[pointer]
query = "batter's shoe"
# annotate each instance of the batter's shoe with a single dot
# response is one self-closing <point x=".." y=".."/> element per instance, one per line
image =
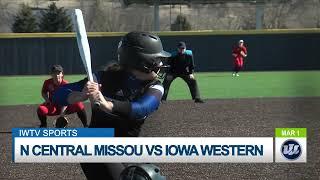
<point x="198" y="100"/>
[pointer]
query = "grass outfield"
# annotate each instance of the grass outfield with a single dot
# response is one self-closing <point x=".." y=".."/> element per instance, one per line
<point x="26" y="89"/>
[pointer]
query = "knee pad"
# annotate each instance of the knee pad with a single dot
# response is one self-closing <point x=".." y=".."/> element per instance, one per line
<point x="42" y="110"/>
<point x="75" y="108"/>
<point x="79" y="106"/>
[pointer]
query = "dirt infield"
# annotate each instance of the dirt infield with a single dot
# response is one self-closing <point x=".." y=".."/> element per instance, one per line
<point x="215" y="118"/>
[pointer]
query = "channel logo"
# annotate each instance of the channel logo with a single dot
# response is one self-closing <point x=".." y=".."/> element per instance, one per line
<point x="291" y="145"/>
<point x="291" y="149"/>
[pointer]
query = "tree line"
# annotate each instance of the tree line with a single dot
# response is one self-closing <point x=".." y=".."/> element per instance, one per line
<point x="51" y="19"/>
<point x="54" y="19"/>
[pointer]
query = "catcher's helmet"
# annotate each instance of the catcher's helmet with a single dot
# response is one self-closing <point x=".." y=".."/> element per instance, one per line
<point x="142" y="51"/>
<point x="142" y="172"/>
<point x="61" y="122"/>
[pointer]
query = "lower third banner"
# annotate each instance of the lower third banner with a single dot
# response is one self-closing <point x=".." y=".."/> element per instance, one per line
<point x="99" y="145"/>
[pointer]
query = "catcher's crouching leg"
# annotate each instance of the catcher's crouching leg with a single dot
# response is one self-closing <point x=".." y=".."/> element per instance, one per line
<point x="80" y="110"/>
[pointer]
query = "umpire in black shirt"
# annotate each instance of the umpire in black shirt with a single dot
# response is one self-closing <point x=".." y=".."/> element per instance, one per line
<point x="182" y="65"/>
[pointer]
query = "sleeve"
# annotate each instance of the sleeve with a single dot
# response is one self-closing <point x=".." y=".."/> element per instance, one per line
<point x="44" y="87"/>
<point x="234" y="50"/>
<point x="143" y="106"/>
<point x="60" y="96"/>
<point x="191" y="60"/>
<point x="172" y="58"/>
<point x="191" y="66"/>
<point x="244" y="49"/>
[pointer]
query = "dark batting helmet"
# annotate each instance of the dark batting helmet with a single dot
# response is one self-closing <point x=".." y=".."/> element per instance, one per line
<point x="142" y="172"/>
<point x="142" y="51"/>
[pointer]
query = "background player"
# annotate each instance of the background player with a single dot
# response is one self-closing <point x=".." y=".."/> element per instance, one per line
<point x="128" y="92"/>
<point x="48" y="108"/>
<point x="182" y="65"/>
<point x="239" y="53"/>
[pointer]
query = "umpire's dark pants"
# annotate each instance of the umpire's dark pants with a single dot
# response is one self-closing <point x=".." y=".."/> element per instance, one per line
<point x="192" y="84"/>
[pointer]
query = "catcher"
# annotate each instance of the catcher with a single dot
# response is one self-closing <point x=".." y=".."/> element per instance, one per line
<point x="48" y="108"/>
<point x="127" y="91"/>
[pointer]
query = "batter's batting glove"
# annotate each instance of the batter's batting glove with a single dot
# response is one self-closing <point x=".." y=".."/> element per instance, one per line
<point x="61" y="122"/>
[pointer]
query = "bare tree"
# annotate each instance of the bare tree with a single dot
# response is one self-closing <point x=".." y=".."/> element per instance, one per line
<point x="146" y="23"/>
<point x="111" y="17"/>
<point x="317" y="15"/>
<point x="104" y="17"/>
<point x="6" y="16"/>
<point x="137" y="17"/>
<point x="275" y="11"/>
<point x="36" y="3"/>
<point x="223" y="16"/>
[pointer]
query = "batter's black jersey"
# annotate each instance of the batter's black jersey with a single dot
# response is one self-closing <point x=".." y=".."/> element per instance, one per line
<point x="133" y="101"/>
<point x="181" y="63"/>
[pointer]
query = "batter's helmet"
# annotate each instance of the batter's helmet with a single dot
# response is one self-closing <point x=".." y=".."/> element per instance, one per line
<point x="61" y="122"/>
<point x="142" y="51"/>
<point x="142" y="172"/>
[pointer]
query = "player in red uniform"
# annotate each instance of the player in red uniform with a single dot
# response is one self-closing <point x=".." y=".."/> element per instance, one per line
<point x="48" y="108"/>
<point x="238" y="53"/>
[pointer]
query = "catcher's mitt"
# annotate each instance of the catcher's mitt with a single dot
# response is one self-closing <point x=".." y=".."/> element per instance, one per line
<point x="61" y="122"/>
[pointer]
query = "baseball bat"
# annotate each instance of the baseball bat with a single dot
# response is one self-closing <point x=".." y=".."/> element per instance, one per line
<point x="83" y="44"/>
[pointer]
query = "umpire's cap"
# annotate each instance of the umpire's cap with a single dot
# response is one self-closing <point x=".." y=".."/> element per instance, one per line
<point x="141" y="50"/>
<point x="182" y="44"/>
<point x="56" y="68"/>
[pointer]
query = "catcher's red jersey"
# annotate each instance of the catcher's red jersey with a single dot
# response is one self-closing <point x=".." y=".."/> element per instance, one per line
<point x="49" y="87"/>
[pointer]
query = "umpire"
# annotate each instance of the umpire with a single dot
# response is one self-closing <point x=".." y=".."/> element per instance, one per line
<point x="182" y="65"/>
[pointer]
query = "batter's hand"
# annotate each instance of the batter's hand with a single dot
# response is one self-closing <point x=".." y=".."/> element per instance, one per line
<point x="96" y="96"/>
<point x="191" y="76"/>
<point x="91" y="87"/>
<point x="104" y="105"/>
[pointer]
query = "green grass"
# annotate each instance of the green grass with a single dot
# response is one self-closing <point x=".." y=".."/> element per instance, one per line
<point x="26" y="89"/>
<point x="252" y="84"/>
